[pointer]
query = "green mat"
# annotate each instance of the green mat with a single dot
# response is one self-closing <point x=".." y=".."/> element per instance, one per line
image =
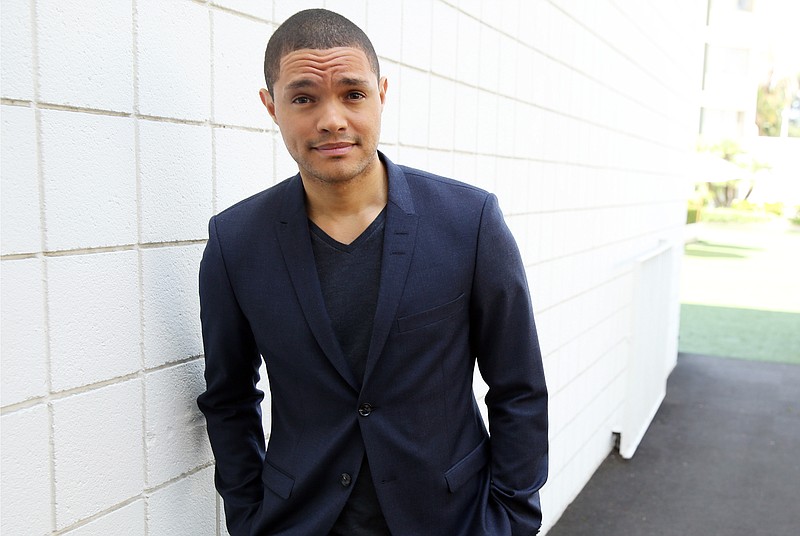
<point x="740" y="333"/>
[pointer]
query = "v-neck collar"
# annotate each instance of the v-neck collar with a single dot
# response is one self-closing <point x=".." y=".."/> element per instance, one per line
<point x="372" y="228"/>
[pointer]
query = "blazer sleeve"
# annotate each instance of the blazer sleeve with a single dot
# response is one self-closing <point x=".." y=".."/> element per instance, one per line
<point x="231" y="402"/>
<point x="506" y="345"/>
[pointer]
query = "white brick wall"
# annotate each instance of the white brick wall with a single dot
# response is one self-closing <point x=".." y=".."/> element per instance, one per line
<point x="94" y="318"/>
<point x="125" y="125"/>
<point x="25" y="457"/>
<point x="186" y="506"/>
<point x="174" y="180"/>
<point x="170" y="310"/>
<point x="16" y="35"/>
<point x="243" y="163"/>
<point x="239" y="45"/>
<point x="85" y="53"/>
<point x="174" y="59"/>
<point x="98" y="451"/>
<point x="89" y="179"/>
<point x="21" y="219"/>
<point x="24" y="363"/>
<point x="173" y="419"/>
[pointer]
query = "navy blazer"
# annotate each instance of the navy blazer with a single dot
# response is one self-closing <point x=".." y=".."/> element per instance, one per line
<point x="452" y="291"/>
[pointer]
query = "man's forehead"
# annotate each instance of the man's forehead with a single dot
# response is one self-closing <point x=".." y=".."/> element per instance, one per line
<point x="310" y="61"/>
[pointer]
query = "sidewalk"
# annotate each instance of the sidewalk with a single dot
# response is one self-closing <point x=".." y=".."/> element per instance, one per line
<point x="721" y="458"/>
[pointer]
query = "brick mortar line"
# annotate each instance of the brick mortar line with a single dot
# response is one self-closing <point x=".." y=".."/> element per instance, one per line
<point x="16" y="102"/>
<point x="51" y="464"/>
<point x="139" y="263"/>
<point x="133" y="115"/>
<point x="103" y="249"/>
<point x="20" y="256"/>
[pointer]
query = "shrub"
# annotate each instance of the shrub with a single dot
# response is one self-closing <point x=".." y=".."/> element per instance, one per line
<point x="744" y="205"/>
<point x="694" y="212"/>
<point x="730" y="215"/>
<point x="796" y="219"/>
<point x="774" y="208"/>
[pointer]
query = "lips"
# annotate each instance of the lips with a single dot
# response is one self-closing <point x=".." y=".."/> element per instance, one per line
<point x="334" y="149"/>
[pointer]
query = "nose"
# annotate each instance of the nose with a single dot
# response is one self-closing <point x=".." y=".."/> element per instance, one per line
<point x="332" y="117"/>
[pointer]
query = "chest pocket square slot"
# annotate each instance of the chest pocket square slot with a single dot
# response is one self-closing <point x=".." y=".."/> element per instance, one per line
<point x="431" y="316"/>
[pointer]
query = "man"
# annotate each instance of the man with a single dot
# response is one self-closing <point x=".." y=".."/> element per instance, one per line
<point x="369" y="290"/>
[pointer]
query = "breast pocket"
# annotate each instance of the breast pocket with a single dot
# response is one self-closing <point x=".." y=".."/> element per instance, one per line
<point x="432" y="315"/>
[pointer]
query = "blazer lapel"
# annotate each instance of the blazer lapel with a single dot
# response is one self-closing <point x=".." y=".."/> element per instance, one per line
<point x="295" y="243"/>
<point x="398" y="246"/>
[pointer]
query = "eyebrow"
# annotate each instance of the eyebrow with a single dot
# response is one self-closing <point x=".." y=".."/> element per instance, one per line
<point x="357" y="82"/>
<point x="304" y="83"/>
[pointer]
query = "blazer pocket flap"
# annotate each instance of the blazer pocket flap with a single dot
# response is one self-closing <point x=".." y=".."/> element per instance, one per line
<point x="429" y="316"/>
<point x="467" y="466"/>
<point x="277" y="480"/>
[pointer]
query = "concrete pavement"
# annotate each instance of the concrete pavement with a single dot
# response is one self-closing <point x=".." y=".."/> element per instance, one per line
<point x="721" y="458"/>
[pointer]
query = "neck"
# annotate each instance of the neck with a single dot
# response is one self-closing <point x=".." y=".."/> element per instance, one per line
<point x="344" y="209"/>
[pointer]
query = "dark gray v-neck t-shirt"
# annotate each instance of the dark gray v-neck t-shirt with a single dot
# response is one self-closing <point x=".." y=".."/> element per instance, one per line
<point x="349" y="275"/>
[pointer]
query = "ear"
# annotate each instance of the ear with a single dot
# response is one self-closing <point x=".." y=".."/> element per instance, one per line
<point x="383" y="85"/>
<point x="266" y="100"/>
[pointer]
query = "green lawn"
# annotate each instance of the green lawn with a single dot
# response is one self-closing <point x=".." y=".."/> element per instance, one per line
<point x="740" y="293"/>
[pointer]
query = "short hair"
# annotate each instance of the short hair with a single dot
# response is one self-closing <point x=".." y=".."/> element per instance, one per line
<point x="317" y="29"/>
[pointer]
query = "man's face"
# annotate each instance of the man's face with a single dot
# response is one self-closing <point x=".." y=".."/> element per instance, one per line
<point x="328" y="105"/>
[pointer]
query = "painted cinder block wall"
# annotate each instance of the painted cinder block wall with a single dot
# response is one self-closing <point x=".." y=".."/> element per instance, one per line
<point x="126" y="124"/>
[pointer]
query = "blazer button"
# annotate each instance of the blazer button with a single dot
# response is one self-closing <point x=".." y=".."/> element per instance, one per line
<point x="364" y="409"/>
<point x="345" y="480"/>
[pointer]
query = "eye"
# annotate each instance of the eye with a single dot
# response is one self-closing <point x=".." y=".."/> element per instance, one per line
<point x="302" y="99"/>
<point x="355" y="96"/>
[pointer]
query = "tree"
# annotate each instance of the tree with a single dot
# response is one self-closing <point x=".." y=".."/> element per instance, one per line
<point x="775" y="96"/>
<point x="723" y="191"/>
